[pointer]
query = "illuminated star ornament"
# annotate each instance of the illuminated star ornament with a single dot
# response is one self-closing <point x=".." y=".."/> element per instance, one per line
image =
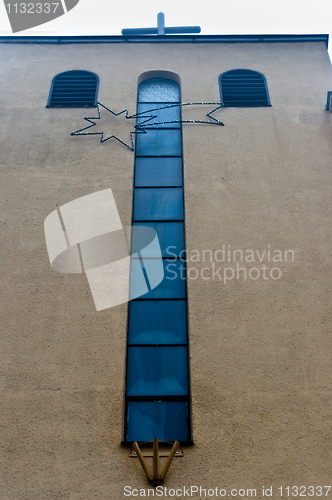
<point x="110" y="120"/>
<point x="192" y="113"/>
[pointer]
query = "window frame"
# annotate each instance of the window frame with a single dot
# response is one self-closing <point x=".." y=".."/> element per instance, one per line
<point x="184" y="400"/>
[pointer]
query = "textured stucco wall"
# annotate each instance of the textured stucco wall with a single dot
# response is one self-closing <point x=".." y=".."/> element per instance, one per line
<point x="260" y="349"/>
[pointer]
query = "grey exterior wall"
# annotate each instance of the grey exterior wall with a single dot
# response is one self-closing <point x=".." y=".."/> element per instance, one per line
<point x="260" y="349"/>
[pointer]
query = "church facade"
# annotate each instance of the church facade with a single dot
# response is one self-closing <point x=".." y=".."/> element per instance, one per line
<point x="219" y="148"/>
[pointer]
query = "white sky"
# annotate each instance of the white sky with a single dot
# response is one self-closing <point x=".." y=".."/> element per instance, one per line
<point x="106" y="17"/>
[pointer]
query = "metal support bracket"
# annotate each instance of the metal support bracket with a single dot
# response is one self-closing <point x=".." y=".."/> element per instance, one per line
<point x="156" y="477"/>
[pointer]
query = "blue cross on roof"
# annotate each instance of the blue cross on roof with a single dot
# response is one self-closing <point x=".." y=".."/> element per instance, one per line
<point x="161" y="29"/>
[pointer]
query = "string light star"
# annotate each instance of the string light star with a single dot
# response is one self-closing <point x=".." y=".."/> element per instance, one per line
<point x="103" y="137"/>
<point x="151" y="118"/>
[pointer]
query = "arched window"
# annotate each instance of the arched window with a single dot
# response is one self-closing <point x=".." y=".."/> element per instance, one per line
<point x="74" y="89"/>
<point x="243" y="88"/>
<point x="157" y="382"/>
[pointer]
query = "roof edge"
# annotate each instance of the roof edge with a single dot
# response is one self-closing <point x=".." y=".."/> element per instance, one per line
<point x="166" y="39"/>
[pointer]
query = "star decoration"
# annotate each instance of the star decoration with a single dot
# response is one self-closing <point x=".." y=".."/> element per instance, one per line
<point x="149" y="118"/>
<point x="103" y="136"/>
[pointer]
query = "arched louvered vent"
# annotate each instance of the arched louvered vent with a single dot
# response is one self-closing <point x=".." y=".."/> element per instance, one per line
<point x="74" y="89"/>
<point x="244" y="88"/>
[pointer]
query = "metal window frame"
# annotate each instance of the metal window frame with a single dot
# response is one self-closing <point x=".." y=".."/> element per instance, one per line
<point x="185" y="398"/>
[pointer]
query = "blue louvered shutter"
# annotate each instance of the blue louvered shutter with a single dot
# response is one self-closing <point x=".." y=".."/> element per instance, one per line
<point x="77" y="89"/>
<point x="243" y="88"/>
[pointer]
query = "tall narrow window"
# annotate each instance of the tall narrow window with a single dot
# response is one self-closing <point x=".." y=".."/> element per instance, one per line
<point x="74" y="89"/>
<point x="243" y="88"/>
<point x="157" y="382"/>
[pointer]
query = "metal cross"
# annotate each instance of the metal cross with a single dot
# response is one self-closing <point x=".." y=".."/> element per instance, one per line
<point x="161" y="30"/>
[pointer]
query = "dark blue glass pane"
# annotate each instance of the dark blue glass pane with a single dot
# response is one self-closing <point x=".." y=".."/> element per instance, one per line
<point x="157" y="371"/>
<point x="166" y="420"/>
<point x="157" y="322"/>
<point x="158" y="204"/>
<point x="170" y="236"/>
<point x="158" y="171"/>
<point x="145" y="241"/>
<point x="159" y="115"/>
<point x="163" y="142"/>
<point x="173" y="286"/>
<point x="159" y="90"/>
<point x="145" y="274"/>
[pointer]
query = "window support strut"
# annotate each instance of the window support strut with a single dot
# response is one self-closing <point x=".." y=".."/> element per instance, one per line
<point x="156" y="478"/>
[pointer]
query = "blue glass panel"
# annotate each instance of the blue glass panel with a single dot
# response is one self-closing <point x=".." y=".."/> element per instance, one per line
<point x="158" y="171"/>
<point x="159" y="90"/>
<point x="163" y="142"/>
<point x="173" y="286"/>
<point x="157" y="322"/>
<point x="166" y="420"/>
<point x="158" y="204"/>
<point x="160" y="115"/>
<point x="158" y="371"/>
<point x="145" y="241"/>
<point x="170" y="236"/>
<point x="138" y="285"/>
